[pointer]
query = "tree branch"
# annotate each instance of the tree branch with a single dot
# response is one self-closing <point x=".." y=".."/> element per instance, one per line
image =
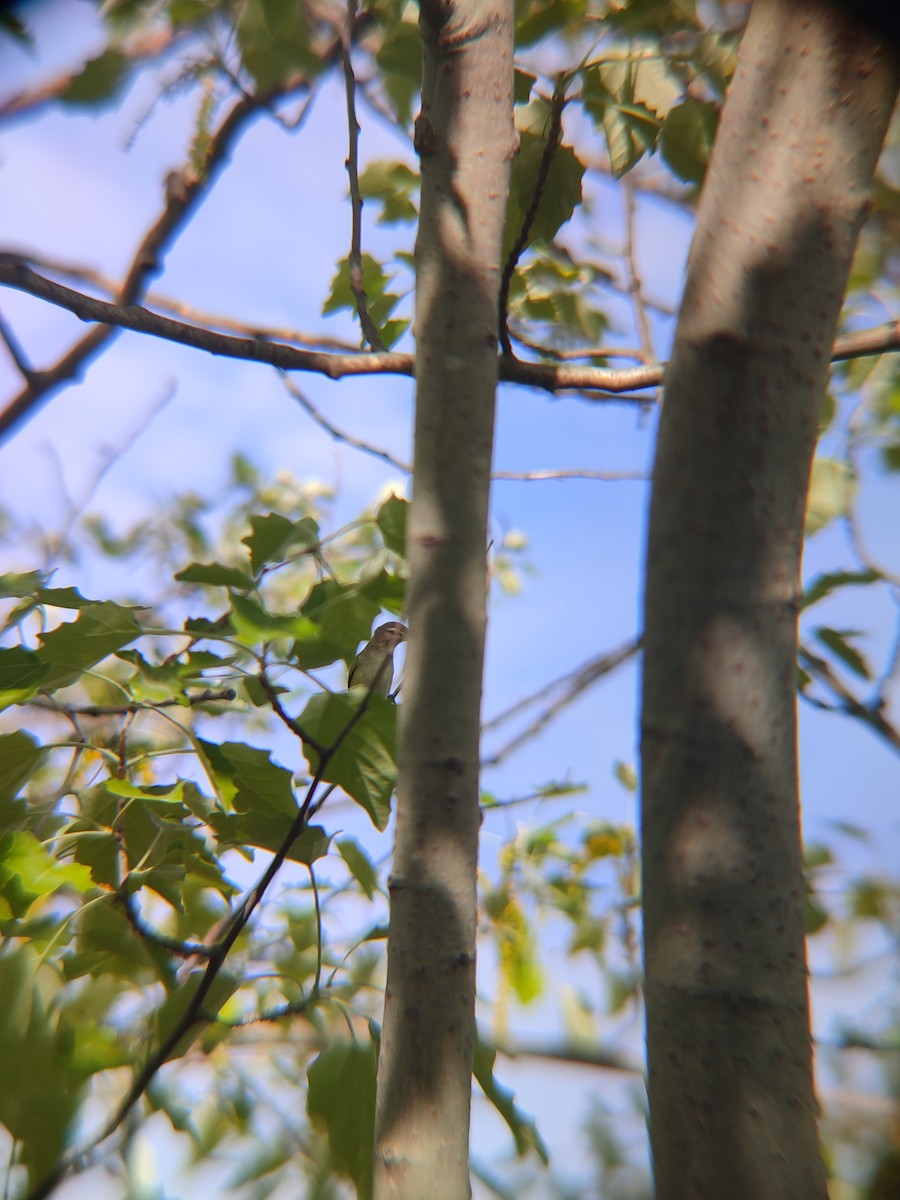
<point x="194" y="1012"/>
<point x="16" y="353"/>
<point x="170" y="307"/>
<point x="184" y="191"/>
<point x="354" y="261"/>
<point x="338" y="434"/>
<point x="572" y="684"/>
<point x="152" y="45"/>
<point x="845" y="701"/>
<point x="554" y="133"/>
<point x="549" y="377"/>
<point x="123" y="710"/>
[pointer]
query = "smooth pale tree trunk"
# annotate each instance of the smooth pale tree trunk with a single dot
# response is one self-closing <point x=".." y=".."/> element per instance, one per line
<point x="466" y="140"/>
<point x="732" y="1108"/>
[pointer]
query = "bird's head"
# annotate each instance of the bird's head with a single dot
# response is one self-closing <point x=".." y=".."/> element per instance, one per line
<point x="389" y="635"/>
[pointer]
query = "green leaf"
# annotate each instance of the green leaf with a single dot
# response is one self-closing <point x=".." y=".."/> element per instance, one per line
<point x="274" y="537"/>
<point x="646" y="18"/>
<point x="364" y="764"/>
<point x="21" y="674"/>
<point x="216" y="575"/>
<point x="630" y="100"/>
<point x="28" y="872"/>
<point x="172" y="1009"/>
<point x="538" y="19"/>
<point x="393" y="185"/>
<point x="39" y="1110"/>
<point x="399" y="61"/>
<point x="253" y="624"/>
<point x="248" y="779"/>
<point x="815" y="917"/>
<point x="68" y="597"/>
<point x="871" y="899"/>
<point x="838" y="642"/>
<point x="522" y="1127"/>
<point x="562" y="188"/>
<point x="831" y="488"/>
<point x="715" y="56"/>
<point x="391" y="520"/>
<point x="15" y="585"/>
<point x="360" y="865"/>
<point x="106" y="945"/>
<point x="381" y="303"/>
<point x="19" y="755"/>
<point x="148" y="824"/>
<point x="824" y="585"/>
<point x="99" y="81"/>
<point x="71" y="649"/>
<point x="341" y="1098"/>
<point x="344" y="613"/>
<point x="687" y="138"/>
<point x="523" y="84"/>
<point x="273" y="39"/>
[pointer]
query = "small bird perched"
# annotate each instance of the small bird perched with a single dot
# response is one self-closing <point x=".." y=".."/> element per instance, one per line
<point x="373" y="667"/>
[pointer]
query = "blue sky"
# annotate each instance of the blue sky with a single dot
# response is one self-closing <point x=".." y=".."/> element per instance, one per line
<point x="263" y="247"/>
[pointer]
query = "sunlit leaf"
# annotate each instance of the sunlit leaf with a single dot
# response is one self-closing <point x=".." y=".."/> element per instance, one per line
<point x="522" y="1127"/>
<point x="341" y="1099"/>
<point x="70" y="649"/>
<point x="364" y="764"/>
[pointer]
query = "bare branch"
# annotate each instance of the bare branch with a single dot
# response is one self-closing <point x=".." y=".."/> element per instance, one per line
<point x="550" y="377"/>
<point x="151" y="45"/>
<point x="357" y="282"/>
<point x="338" y="434"/>
<point x="557" y="355"/>
<point x="284" y="716"/>
<point x="167" y="305"/>
<point x="570" y="1052"/>
<point x="149" y="934"/>
<point x="572" y="684"/>
<point x="15" y="351"/>
<point x="867" y="341"/>
<point x="574" y="473"/>
<point x="844" y="699"/>
<point x="209" y="696"/>
<point x="184" y="190"/>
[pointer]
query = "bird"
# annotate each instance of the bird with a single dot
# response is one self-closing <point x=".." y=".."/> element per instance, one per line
<point x="373" y="667"/>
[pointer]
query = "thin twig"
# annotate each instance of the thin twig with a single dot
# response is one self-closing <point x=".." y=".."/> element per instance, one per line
<point x="167" y="305"/>
<point x="573" y="684"/>
<point x="194" y="1012"/>
<point x="149" y="934"/>
<point x="152" y="45"/>
<point x="846" y="702"/>
<point x="354" y="260"/>
<point x="283" y="715"/>
<point x="124" y="710"/>
<point x="610" y="385"/>
<point x="56" y="542"/>
<point x="16" y="353"/>
<point x="574" y="473"/>
<point x="338" y="434"/>
<point x="554" y="134"/>
<point x="633" y="279"/>
<point x="632" y="353"/>
<point x="184" y="190"/>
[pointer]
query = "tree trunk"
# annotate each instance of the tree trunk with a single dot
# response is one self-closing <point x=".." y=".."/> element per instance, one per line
<point x="465" y="138"/>
<point x="732" y="1108"/>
